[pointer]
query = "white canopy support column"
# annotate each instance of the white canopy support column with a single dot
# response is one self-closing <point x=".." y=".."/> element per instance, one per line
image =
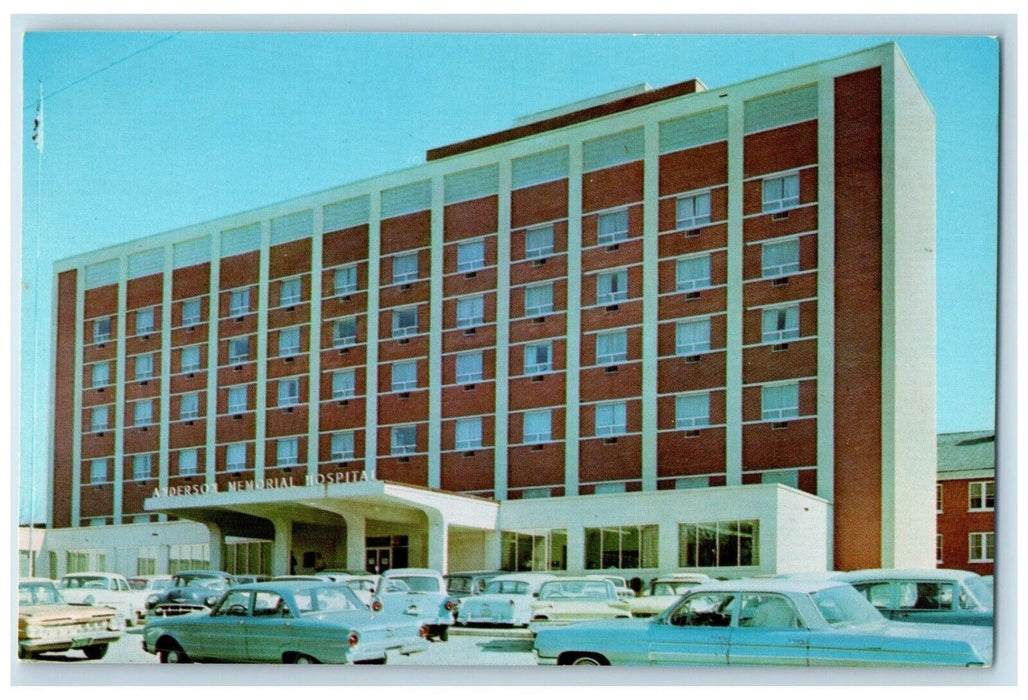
<point x="217" y="546"/>
<point x="282" y="551"/>
<point x="493" y="550"/>
<point x="438" y="541"/>
<point x="356" y="530"/>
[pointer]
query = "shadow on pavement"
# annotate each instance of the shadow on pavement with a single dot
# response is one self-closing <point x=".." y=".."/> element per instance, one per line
<point x="506" y="645"/>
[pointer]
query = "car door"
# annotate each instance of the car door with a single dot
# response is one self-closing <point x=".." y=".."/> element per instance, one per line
<point x="223" y="636"/>
<point x="924" y="601"/>
<point x="269" y="628"/>
<point x="696" y="632"/>
<point x="768" y="632"/>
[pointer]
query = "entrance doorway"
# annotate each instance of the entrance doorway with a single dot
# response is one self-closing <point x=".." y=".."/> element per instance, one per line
<point x="383" y="553"/>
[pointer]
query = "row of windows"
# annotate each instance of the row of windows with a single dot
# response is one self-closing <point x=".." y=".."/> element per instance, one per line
<point x="981" y="547"/>
<point x="981" y="496"/>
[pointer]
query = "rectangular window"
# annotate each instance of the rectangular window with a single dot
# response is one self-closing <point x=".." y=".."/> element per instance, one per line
<point x="625" y="547"/>
<point x="342" y="446"/>
<point x="344" y="332"/>
<point x="239" y="302"/>
<point x="692" y="273"/>
<point x="290" y="291"/>
<point x="780" y="401"/>
<point x="538" y="426"/>
<point x="142" y="412"/>
<point x="187" y="462"/>
<point x="344" y="384"/>
<point x="537" y="550"/>
<point x="692" y="411"/>
<point x="144" y="366"/>
<point x="287" y="452"/>
<point x="141" y="467"/>
<point x="191" y="312"/>
<point x="938" y="498"/>
<point x="468" y="433"/>
<point x="781" y="192"/>
<point x="938" y="548"/>
<point x="780" y="258"/>
<point x="101" y="374"/>
<point x="612" y="227"/>
<point x="611" y="418"/>
<point x="539" y="357"/>
<point x="235" y="457"/>
<point x="405" y="268"/>
<point x="470" y="311"/>
<point x="611" y="286"/>
<point x="404" y="440"/>
<point x="692" y="337"/>
<point x="539" y="299"/>
<point x="781" y="324"/>
<point x="981" y="495"/>
<point x="190" y="406"/>
<point x="345" y="280"/>
<point x="539" y="242"/>
<point x="470" y="256"/>
<point x="405" y="375"/>
<point x="98" y="419"/>
<point x="190" y="358"/>
<point x="611" y="347"/>
<point x="288" y="392"/>
<point x="692" y="211"/>
<point x="288" y="342"/>
<point x="405" y="322"/>
<point x="101" y="330"/>
<point x="236" y="399"/>
<point x="469" y="367"/>
<point x="144" y="321"/>
<point x="719" y="544"/>
<point x="238" y="350"/>
<point x="98" y="471"/>
<point x="981" y="547"/>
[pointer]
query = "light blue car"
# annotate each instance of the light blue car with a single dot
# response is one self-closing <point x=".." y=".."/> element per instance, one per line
<point x="947" y="596"/>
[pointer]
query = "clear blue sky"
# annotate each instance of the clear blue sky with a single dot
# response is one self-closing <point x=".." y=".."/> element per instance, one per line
<point x="147" y="132"/>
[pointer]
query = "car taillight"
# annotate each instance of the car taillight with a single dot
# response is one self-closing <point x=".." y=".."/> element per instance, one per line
<point x="377" y="606"/>
<point x="423" y="632"/>
<point x="450" y="605"/>
<point x="353" y="639"/>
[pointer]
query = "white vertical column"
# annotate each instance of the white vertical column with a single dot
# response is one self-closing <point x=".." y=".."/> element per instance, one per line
<point x="572" y="428"/>
<point x="76" y="424"/>
<point x="733" y="344"/>
<point x="651" y="291"/>
<point x="371" y="346"/>
<point x="164" y="439"/>
<point x="435" y="338"/>
<point x="502" y="371"/>
<point x="213" y="326"/>
<point x="314" y="344"/>
<point x="261" y="402"/>
<point x="119" y="394"/>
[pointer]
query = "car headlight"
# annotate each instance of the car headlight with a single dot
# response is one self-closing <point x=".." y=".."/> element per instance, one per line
<point x="210" y="601"/>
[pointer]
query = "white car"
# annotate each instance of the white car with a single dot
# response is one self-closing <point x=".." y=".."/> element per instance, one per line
<point x="420" y="593"/>
<point x="101" y="588"/>
<point x="143" y="587"/>
<point x="664" y="592"/>
<point x="506" y="600"/>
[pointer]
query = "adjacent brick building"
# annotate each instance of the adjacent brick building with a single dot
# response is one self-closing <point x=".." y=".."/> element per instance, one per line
<point x="965" y="502"/>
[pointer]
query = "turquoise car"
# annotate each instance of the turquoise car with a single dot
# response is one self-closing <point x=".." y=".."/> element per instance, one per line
<point x="765" y="622"/>
<point x="300" y="622"/>
<point x="946" y="596"/>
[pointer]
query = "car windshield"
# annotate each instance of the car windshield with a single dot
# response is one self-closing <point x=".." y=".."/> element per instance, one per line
<point x="841" y="606"/>
<point x="38" y="594"/>
<point x="980" y="590"/>
<point x="322" y="599"/>
<point x="672" y="587"/>
<point x="508" y="587"/>
<point x="214" y="583"/>
<point x="458" y="584"/>
<point x="140" y="584"/>
<point x="93" y="582"/>
<point x="424" y="584"/>
<point x="577" y="589"/>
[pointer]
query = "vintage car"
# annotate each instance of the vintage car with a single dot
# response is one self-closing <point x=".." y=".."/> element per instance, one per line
<point x="621" y="586"/>
<point x="102" y="588"/>
<point x="363" y="587"/>
<point x="781" y="622"/>
<point x="944" y="596"/>
<point x="465" y="584"/>
<point x="507" y="600"/>
<point x="566" y="600"/>
<point x="144" y="586"/>
<point x="190" y="591"/>
<point x="47" y="622"/>
<point x="663" y="592"/>
<point x="418" y="592"/>
<point x="291" y="622"/>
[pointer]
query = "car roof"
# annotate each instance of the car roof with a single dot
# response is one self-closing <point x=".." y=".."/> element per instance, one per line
<point x="93" y="573"/>
<point x="769" y="585"/>
<point x="411" y="572"/>
<point x="861" y="574"/>
<point x="470" y="574"/>
<point x="201" y="572"/>
<point x="34" y="579"/>
<point x="526" y="576"/>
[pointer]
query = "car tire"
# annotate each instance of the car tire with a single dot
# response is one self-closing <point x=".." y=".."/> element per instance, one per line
<point x="174" y="656"/>
<point x="444" y="636"/>
<point x="95" y="652"/>
<point x="304" y="659"/>
<point x="584" y="660"/>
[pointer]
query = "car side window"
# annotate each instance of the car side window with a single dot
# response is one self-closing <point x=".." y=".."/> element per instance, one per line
<point x="704" y="610"/>
<point x="268" y="604"/>
<point x="877" y="594"/>
<point x="236" y="603"/>
<point x="926" y="595"/>
<point x="767" y="611"/>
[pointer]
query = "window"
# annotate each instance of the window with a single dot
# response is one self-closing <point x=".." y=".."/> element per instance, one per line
<point x="235" y="457"/>
<point x="938" y="548"/>
<point x="190" y="406"/>
<point x="98" y="471"/>
<point x="187" y="462"/>
<point x="344" y="332"/>
<point x="981" y="495"/>
<point x="539" y="357"/>
<point x="342" y="446"/>
<point x="719" y="544"/>
<point x="470" y="311"/>
<point x="469" y="367"/>
<point x="536" y="550"/>
<point x="288" y="342"/>
<point x="626" y="547"/>
<point x="344" y="384"/>
<point x="101" y="330"/>
<point x="144" y="366"/>
<point x="405" y="322"/>
<point x="611" y="286"/>
<point x="470" y="256"/>
<point x="101" y="374"/>
<point x="692" y="210"/>
<point x="98" y="419"/>
<point x="539" y="299"/>
<point x="781" y="324"/>
<point x="780" y="401"/>
<point x="238" y="350"/>
<point x="611" y="347"/>
<point x="692" y="273"/>
<point x="191" y="312"/>
<point x="288" y="391"/>
<point x="780" y="258"/>
<point x="239" y="302"/>
<point x="404" y="439"/>
<point x="345" y="280"/>
<point x="405" y="375"/>
<point x="611" y="419"/>
<point x="144" y="321"/>
<point x="938" y="498"/>
<point x="468" y="433"/>
<point x="692" y="337"/>
<point x="237" y="399"/>
<point x="612" y="227"/>
<point x="538" y="242"/>
<point x="405" y="268"/>
<point x="781" y="192"/>
<point x="709" y="610"/>
<point x="981" y="547"/>
<point x="191" y="358"/>
<point x="142" y="412"/>
<point x="692" y="411"/>
<point x="141" y="467"/>
<point x="538" y="426"/>
<point x="287" y="452"/>
<point x="290" y="291"/>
